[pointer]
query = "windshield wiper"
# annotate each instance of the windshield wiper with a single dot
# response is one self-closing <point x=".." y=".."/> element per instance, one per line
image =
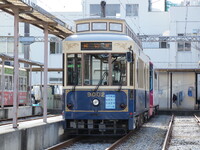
<point x="100" y="81"/>
<point x="120" y="85"/>
<point x="75" y="81"/>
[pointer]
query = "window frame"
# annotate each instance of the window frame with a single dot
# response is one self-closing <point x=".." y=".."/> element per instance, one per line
<point x="115" y="23"/>
<point x="131" y="13"/>
<point x="110" y="71"/>
<point x="99" y="29"/>
<point x="90" y="71"/>
<point x="67" y="72"/>
<point x="82" y="24"/>
<point x="108" y="13"/>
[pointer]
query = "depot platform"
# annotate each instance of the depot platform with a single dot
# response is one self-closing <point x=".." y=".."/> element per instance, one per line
<point x="23" y="111"/>
<point x="32" y="135"/>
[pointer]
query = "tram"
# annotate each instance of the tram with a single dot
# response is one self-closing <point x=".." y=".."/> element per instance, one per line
<point x="106" y="78"/>
<point x="8" y="91"/>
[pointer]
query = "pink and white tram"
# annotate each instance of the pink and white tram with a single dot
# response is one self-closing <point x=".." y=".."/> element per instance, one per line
<point x="8" y="86"/>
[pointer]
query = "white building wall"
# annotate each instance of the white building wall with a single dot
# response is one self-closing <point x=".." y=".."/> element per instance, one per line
<point x="145" y="23"/>
<point x="37" y="48"/>
<point x="182" y="22"/>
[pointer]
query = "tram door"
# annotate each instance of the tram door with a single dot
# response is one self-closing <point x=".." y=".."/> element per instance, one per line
<point x="198" y="90"/>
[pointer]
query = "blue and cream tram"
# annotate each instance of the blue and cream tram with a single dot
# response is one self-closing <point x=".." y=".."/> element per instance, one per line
<point x="105" y="78"/>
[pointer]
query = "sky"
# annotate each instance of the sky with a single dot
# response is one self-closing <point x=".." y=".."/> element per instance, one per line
<point x="61" y="5"/>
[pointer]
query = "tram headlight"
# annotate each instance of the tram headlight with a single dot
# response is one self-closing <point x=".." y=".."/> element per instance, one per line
<point x="123" y="106"/>
<point x="95" y="102"/>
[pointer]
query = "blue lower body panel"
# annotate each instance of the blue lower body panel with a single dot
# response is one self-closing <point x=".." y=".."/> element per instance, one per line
<point x="97" y="115"/>
<point x="141" y="101"/>
<point x="99" y="123"/>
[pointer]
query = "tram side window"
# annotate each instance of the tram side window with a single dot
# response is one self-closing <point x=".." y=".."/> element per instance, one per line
<point x="140" y="72"/>
<point x="96" y="69"/>
<point x="151" y="78"/>
<point x="25" y="84"/>
<point x="74" y="74"/>
<point x="10" y="83"/>
<point x="119" y="67"/>
<point x="6" y="83"/>
<point x="20" y="84"/>
<point x="131" y="73"/>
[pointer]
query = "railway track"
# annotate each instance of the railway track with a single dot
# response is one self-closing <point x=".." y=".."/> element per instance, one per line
<point x="183" y="133"/>
<point x="65" y="144"/>
<point x="150" y="136"/>
<point x="89" y="143"/>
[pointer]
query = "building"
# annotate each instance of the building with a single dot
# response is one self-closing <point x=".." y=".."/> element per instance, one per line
<point x="176" y="62"/>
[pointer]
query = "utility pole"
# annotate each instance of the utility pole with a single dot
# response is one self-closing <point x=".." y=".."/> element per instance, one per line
<point x="26" y="45"/>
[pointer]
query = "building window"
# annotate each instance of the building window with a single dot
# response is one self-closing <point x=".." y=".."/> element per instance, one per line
<point x="163" y="45"/>
<point x="132" y="9"/>
<point x="55" y="80"/>
<point x="183" y="46"/>
<point x="55" y="48"/>
<point x="111" y="9"/>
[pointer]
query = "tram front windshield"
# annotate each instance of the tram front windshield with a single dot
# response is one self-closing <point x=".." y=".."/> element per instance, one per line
<point x="96" y="69"/>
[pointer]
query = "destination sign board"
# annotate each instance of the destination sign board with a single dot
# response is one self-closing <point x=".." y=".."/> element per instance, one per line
<point x="96" y="45"/>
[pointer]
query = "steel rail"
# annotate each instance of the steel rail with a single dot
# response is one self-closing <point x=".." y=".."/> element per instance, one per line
<point x="65" y="144"/>
<point x="197" y="119"/>
<point x="120" y="141"/>
<point x="167" y="137"/>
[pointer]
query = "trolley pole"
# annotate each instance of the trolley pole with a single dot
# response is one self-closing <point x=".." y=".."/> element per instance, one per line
<point x="45" y="73"/>
<point x="103" y="9"/>
<point x="16" y="66"/>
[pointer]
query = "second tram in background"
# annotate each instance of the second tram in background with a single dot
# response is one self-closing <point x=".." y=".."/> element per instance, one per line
<point x="8" y="81"/>
<point x="106" y="78"/>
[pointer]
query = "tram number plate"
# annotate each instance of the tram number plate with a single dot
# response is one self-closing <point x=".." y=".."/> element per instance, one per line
<point x="110" y="101"/>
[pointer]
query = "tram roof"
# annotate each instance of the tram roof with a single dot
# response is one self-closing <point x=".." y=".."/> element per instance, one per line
<point x="21" y="60"/>
<point x="31" y="13"/>
<point x="98" y="37"/>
